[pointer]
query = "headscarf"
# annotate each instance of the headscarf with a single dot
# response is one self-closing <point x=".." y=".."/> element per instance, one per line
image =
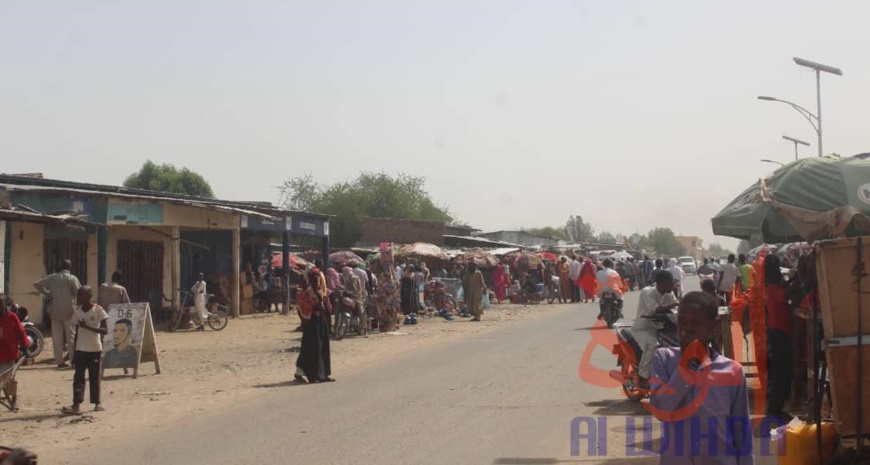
<point x="333" y="281"/>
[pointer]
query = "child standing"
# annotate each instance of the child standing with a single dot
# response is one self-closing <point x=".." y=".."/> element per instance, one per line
<point x="90" y="320"/>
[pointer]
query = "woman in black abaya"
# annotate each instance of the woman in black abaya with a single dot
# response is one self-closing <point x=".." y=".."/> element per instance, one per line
<point x="314" y="359"/>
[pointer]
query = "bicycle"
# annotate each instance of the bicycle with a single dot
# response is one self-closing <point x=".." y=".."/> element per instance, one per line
<point x="217" y="319"/>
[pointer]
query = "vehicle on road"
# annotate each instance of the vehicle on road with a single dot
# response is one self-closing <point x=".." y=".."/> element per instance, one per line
<point x="688" y="265"/>
<point x="628" y="353"/>
<point x="610" y="308"/>
<point x="350" y="314"/>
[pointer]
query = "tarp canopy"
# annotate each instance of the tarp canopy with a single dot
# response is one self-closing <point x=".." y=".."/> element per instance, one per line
<point x="480" y="258"/>
<point x="422" y="250"/>
<point x="345" y="258"/>
<point x="807" y="199"/>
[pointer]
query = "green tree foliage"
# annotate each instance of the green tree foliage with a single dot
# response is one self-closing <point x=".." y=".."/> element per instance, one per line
<point x="548" y="231"/>
<point x="579" y="230"/>
<point x="168" y="178"/>
<point x="377" y="195"/>
<point x="606" y="237"/>
<point x="663" y="241"/>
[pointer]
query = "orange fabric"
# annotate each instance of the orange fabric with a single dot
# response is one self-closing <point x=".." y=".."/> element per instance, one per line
<point x="758" y="326"/>
<point x="589" y="285"/>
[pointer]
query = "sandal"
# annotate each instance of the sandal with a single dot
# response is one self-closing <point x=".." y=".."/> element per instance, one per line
<point x="71" y="411"/>
<point x="299" y="379"/>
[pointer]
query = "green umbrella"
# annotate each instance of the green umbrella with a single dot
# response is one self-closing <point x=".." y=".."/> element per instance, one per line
<point x="807" y="199"/>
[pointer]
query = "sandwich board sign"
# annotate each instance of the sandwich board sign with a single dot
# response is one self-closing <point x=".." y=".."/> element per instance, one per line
<point x="131" y="340"/>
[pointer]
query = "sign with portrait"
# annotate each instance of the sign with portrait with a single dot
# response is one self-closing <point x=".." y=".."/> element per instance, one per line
<point x="130" y="341"/>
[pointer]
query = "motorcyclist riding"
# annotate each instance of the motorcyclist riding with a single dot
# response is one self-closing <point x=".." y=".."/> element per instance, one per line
<point x="658" y="298"/>
<point x="609" y="281"/>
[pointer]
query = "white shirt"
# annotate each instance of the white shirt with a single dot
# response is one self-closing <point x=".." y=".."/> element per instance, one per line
<point x="729" y="277"/>
<point x="574" y="269"/>
<point x="677" y="273"/>
<point x="198" y="290"/>
<point x="605" y="278"/>
<point x="87" y="340"/>
<point x="650" y="300"/>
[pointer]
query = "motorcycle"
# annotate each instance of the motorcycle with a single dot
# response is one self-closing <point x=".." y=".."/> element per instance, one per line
<point x="17" y="456"/>
<point x="350" y="315"/>
<point x="628" y="354"/>
<point x="35" y="339"/>
<point x="610" y="308"/>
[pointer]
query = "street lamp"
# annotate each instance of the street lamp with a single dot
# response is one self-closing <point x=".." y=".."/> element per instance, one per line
<point x="771" y="161"/>
<point x="815" y="120"/>
<point x="796" y="142"/>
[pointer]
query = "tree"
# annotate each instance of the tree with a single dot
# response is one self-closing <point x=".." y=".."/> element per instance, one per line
<point x="548" y="231"/>
<point x="168" y="178"/>
<point x="606" y="237"/>
<point x="579" y="230"/>
<point x="664" y="242"/>
<point x="376" y="195"/>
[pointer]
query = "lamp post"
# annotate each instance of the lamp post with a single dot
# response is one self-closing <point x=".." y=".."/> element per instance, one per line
<point x="815" y="120"/>
<point x="765" y="160"/>
<point x="796" y="142"/>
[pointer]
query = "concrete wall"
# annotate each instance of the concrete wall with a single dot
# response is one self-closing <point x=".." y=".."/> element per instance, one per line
<point x="26" y="266"/>
<point x="377" y="230"/>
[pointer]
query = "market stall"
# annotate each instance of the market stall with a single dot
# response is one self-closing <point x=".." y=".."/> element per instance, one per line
<point x="824" y="201"/>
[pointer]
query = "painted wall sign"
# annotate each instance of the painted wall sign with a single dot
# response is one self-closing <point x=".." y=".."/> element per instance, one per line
<point x="308" y="225"/>
<point x="257" y="224"/>
<point x="129" y="213"/>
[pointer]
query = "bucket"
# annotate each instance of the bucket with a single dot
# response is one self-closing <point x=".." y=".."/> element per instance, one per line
<point x="539" y="288"/>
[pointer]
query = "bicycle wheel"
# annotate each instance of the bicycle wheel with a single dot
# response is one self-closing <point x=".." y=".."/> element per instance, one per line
<point x="175" y="321"/>
<point x="341" y="325"/>
<point x="218" y="319"/>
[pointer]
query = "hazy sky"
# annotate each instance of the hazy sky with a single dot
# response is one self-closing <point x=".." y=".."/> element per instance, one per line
<point x="633" y="114"/>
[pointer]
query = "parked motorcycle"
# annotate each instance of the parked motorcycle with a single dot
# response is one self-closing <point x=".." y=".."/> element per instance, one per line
<point x="610" y="308"/>
<point x="35" y="339"/>
<point x="349" y="314"/>
<point x="628" y="354"/>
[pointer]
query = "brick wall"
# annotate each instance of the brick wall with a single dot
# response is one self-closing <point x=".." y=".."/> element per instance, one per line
<point x="377" y="230"/>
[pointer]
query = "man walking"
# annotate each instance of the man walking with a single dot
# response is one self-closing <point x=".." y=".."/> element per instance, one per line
<point x="728" y="278"/>
<point x="574" y="275"/>
<point x="60" y="290"/>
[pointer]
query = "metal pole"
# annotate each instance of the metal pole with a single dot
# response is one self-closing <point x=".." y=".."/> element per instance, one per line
<point x="795" y="152"/>
<point x="819" y="106"/>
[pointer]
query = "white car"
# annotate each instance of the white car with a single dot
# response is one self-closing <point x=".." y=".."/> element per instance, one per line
<point x="688" y="265"/>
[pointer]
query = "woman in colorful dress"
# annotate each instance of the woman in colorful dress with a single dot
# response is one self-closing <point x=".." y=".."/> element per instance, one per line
<point x="388" y="301"/>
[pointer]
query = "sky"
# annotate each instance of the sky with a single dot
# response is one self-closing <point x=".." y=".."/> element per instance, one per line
<point x="633" y="114"/>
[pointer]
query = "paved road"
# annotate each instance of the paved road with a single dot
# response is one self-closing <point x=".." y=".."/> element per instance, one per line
<point x="508" y="397"/>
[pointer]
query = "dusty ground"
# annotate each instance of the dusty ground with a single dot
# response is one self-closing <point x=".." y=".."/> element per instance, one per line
<point x="204" y="371"/>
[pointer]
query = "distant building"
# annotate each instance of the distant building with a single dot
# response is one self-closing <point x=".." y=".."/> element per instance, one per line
<point x="464" y="231"/>
<point x="523" y="238"/>
<point x="694" y="245"/>
<point x="377" y="230"/>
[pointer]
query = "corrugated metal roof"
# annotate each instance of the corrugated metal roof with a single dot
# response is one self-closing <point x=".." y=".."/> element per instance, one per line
<point x="263" y="208"/>
<point x="177" y="201"/>
<point x="32" y="217"/>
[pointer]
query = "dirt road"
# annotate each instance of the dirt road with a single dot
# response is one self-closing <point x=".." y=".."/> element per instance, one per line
<point x="209" y="372"/>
